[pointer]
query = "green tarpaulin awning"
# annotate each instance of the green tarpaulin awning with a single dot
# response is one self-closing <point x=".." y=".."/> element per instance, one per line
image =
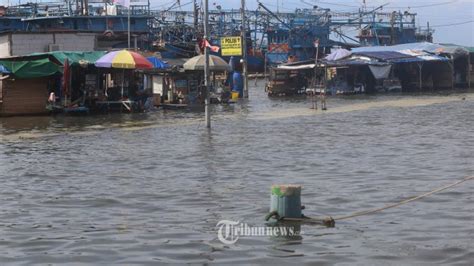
<point x="76" y="58"/>
<point x="46" y="64"/>
<point x="32" y="68"/>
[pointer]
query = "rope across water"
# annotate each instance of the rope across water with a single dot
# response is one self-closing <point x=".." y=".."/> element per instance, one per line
<point x="367" y="212"/>
<point x="330" y="221"/>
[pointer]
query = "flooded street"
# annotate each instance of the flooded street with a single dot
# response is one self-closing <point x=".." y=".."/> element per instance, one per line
<point x="150" y="188"/>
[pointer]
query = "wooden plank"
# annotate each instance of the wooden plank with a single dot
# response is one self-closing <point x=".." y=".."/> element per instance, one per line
<point x="24" y="96"/>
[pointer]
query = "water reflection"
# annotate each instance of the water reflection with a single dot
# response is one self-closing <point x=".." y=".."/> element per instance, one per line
<point x="151" y="187"/>
<point x="24" y="123"/>
<point x="285" y="231"/>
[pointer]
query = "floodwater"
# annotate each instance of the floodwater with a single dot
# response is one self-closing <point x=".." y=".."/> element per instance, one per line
<point x="150" y="188"/>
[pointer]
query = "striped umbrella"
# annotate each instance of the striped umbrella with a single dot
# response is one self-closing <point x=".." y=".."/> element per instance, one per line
<point x="215" y="63"/>
<point x="123" y="59"/>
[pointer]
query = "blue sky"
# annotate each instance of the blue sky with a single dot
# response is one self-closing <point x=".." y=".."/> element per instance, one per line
<point x="439" y="13"/>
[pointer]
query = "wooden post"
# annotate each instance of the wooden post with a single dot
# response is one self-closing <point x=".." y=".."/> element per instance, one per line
<point x="451" y="64"/>
<point x="323" y="100"/>
<point x="265" y="67"/>
<point x="314" y="85"/>
<point x="420" y="66"/>
<point x="468" y="71"/>
<point x="286" y="201"/>
<point x="323" y="93"/>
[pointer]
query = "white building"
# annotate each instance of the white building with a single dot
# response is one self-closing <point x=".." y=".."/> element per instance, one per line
<point x="13" y="44"/>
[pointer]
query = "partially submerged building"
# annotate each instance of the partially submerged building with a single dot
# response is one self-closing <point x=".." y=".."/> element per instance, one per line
<point x="28" y="81"/>
<point x="405" y="67"/>
<point x="461" y="62"/>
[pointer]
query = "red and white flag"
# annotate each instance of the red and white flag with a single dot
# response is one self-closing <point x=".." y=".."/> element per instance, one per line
<point x="213" y="48"/>
<point x="316" y="43"/>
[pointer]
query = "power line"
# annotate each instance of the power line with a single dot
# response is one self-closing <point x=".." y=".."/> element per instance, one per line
<point x="452" y="24"/>
<point x="389" y="7"/>
<point x="332" y="4"/>
<point x="177" y="4"/>
<point x="274" y="5"/>
<point x="162" y="5"/>
<point x="426" y="5"/>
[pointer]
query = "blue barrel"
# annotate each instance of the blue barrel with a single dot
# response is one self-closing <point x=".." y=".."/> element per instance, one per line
<point x="286" y="201"/>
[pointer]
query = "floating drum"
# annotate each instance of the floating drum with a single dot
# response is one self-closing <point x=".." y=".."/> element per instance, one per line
<point x="285" y="202"/>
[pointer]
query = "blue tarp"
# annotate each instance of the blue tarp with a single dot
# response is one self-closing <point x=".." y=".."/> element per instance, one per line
<point x="396" y="57"/>
<point x="419" y="46"/>
<point x="431" y="48"/>
<point x="414" y="59"/>
<point x="352" y="62"/>
<point x="157" y="63"/>
<point x="404" y="53"/>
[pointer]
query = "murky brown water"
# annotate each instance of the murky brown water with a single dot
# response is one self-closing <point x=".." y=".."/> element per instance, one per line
<point x="150" y="188"/>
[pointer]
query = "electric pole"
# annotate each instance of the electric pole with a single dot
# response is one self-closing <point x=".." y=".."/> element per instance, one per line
<point x="244" y="50"/>
<point x="206" y="64"/>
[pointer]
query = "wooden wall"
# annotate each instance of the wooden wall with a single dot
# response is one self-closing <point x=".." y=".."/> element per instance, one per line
<point x="24" y="97"/>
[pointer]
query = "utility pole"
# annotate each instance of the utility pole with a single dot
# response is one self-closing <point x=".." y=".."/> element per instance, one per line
<point x="206" y="64"/>
<point x="195" y="15"/>
<point x="128" y="24"/>
<point x="86" y="7"/>
<point x="244" y="50"/>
